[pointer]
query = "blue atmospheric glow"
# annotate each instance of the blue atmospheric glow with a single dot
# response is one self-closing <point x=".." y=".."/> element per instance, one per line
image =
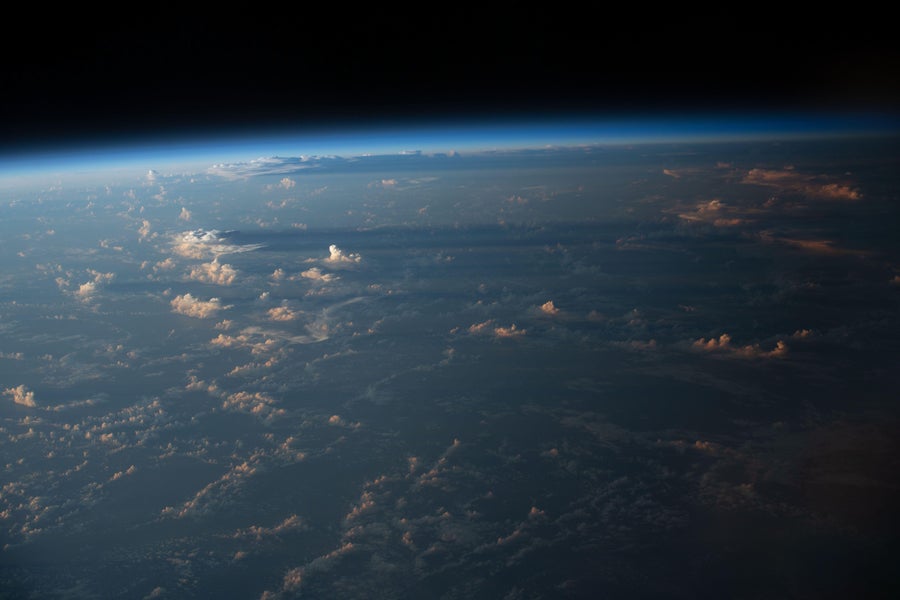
<point x="198" y="150"/>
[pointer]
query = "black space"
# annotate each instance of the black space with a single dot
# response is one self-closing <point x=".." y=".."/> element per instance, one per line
<point x="113" y="75"/>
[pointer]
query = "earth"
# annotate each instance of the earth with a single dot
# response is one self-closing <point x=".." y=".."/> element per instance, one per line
<point x="553" y="365"/>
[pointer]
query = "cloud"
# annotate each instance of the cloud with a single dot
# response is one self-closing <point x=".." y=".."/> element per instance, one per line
<point x="185" y="214"/>
<point x="789" y="180"/>
<point x="194" y="307"/>
<point x="272" y="165"/>
<point x="338" y="257"/>
<point x="144" y="231"/>
<point x="483" y="327"/>
<point x="214" y="272"/>
<point x="509" y="332"/>
<point x="202" y="243"/>
<point x="723" y="345"/>
<point x="259" y="534"/>
<point x="715" y="212"/>
<point x="548" y="308"/>
<point x="86" y="291"/>
<point x="257" y="342"/>
<point x="283" y="313"/>
<point x="815" y="246"/>
<point x="316" y="274"/>
<point x="256" y="403"/>
<point x="21" y="395"/>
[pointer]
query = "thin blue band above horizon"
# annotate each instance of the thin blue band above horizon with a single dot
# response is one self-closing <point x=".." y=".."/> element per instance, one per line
<point x="435" y="136"/>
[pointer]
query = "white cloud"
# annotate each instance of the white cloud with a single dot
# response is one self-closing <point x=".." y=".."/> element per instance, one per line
<point x="194" y="307"/>
<point x="185" y="214"/>
<point x="273" y="165"/>
<point x="316" y="274"/>
<point x="214" y="272"/>
<point x="144" y="231"/>
<point x="86" y="291"/>
<point x="21" y="395"/>
<point x="202" y="243"/>
<point x="282" y="313"/>
<point x="337" y="256"/>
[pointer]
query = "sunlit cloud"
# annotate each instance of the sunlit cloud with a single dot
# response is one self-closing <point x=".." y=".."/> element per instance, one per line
<point x="201" y="243"/>
<point x="283" y="313"/>
<point x="21" y="395"/>
<point x="316" y="274"/>
<point x="257" y="533"/>
<point x="214" y="272"/>
<point x="255" y="403"/>
<point x="814" y="186"/>
<point x="548" y="308"/>
<point x="715" y="212"/>
<point x="190" y="306"/>
<point x="339" y="257"/>
<point x="88" y="290"/>
<point x="723" y="345"/>
<point x="144" y="230"/>
<point x="820" y="246"/>
<point x="509" y="332"/>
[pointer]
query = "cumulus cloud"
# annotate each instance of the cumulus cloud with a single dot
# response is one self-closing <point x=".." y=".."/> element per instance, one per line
<point x="282" y="313"/>
<point x="509" y="332"/>
<point x="715" y="212"/>
<point x="87" y="290"/>
<point x="185" y="214"/>
<point x="723" y="345"/>
<point x="483" y="327"/>
<point x="190" y="306"/>
<point x="256" y="403"/>
<point x="214" y="272"/>
<point x="144" y="230"/>
<point x="548" y="308"/>
<point x="339" y="257"/>
<point x="789" y="180"/>
<point x="258" y="533"/>
<point x="488" y="328"/>
<point x="21" y="395"/>
<point x="316" y="274"/>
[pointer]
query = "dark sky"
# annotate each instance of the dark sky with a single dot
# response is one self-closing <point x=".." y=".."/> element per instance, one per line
<point x="121" y="75"/>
